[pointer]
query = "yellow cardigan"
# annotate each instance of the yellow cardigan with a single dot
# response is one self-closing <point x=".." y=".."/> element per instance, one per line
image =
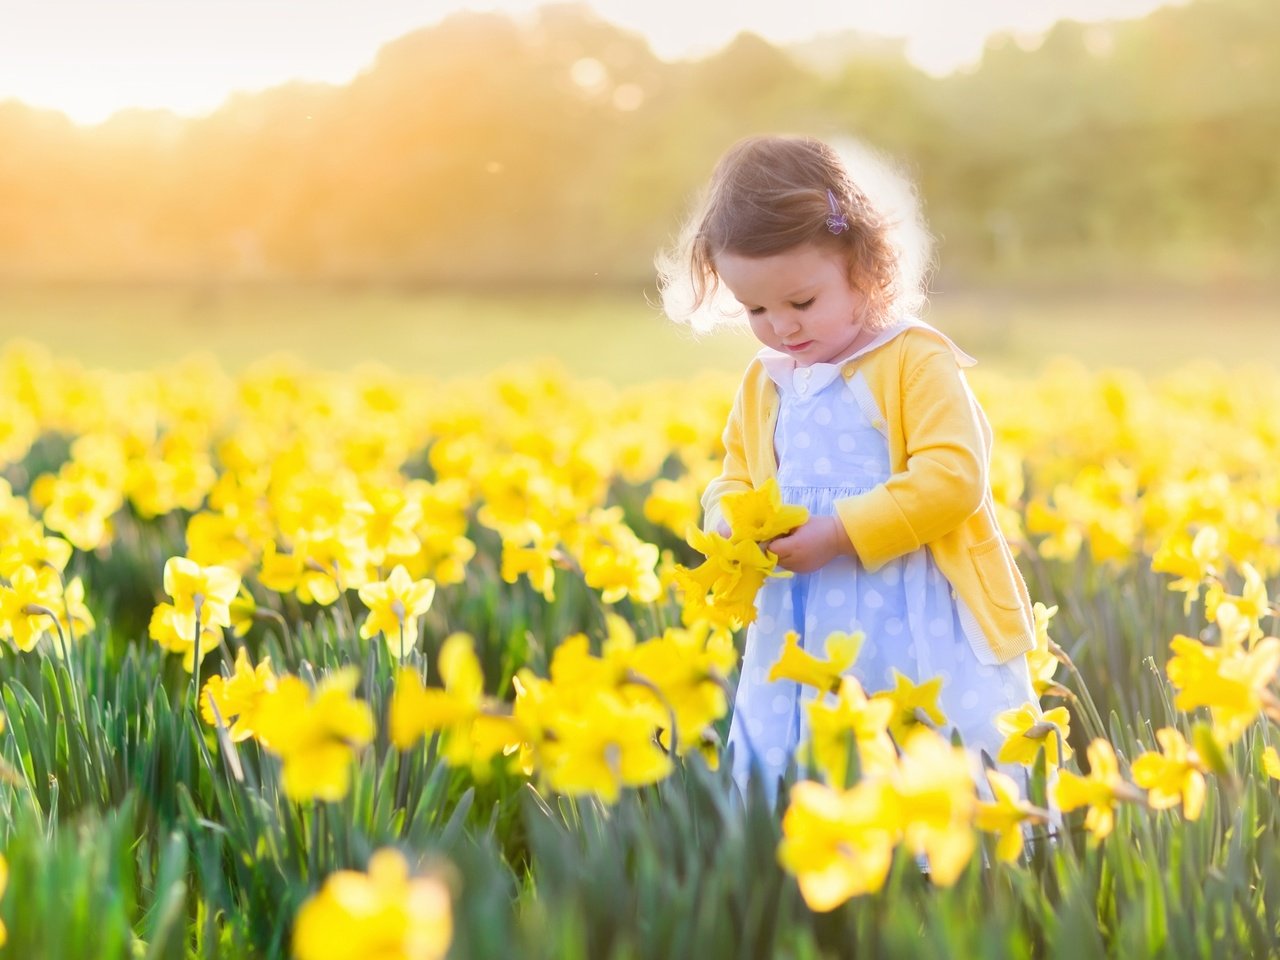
<point x="938" y="494"/>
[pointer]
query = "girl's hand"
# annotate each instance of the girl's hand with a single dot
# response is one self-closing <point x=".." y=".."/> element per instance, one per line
<point x="813" y="544"/>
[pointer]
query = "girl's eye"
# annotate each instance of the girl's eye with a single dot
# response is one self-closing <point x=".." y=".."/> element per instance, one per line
<point x="806" y="305"/>
<point x="755" y="311"/>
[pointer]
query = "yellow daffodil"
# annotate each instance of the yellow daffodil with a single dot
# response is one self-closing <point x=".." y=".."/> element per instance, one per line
<point x="31" y="548"/>
<point x="1271" y="763"/>
<point x="600" y="744"/>
<point x="384" y="913"/>
<point x="760" y="514"/>
<point x="387" y="520"/>
<point x="803" y="667"/>
<point x="674" y="503"/>
<point x="315" y="732"/>
<point x="176" y="633"/>
<point x="200" y="594"/>
<point x="80" y="507"/>
<point x="534" y="553"/>
<point x="238" y="698"/>
<point x="1041" y="663"/>
<point x="1063" y="540"/>
<point x="1239" y="617"/>
<point x="723" y="588"/>
<point x="837" y="843"/>
<point x="243" y="610"/>
<point x="683" y="672"/>
<point x="852" y="714"/>
<point x="934" y="801"/>
<point x="474" y="728"/>
<point x="1174" y="775"/>
<point x="1192" y="558"/>
<point x="229" y="538"/>
<point x="72" y="615"/>
<point x="395" y="605"/>
<point x="1230" y="681"/>
<point x="30" y="606"/>
<point x="915" y="706"/>
<point x="616" y="562"/>
<point x="1004" y="815"/>
<point x="1100" y="791"/>
<point x="1026" y="729"/>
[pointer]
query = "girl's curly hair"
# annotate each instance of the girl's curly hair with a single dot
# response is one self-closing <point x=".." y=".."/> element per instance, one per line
<point x="768" y="194"/>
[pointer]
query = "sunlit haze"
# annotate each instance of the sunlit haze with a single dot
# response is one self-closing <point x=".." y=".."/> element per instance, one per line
<point x="89" y="59"/>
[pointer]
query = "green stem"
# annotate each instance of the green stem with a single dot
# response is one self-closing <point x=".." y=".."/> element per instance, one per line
<point x="266" y="613"/>
<point x="36" y="608"/>
<point x="1091" y="717"/>
<point x="195" y="667"/>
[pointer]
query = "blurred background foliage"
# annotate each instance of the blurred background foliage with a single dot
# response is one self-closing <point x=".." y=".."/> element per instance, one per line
<point x="484" y="154"/>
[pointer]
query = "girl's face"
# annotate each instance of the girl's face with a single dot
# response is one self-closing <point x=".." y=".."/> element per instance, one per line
<point x="799" y="302"/>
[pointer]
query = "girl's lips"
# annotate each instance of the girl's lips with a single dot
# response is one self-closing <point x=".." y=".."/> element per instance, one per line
<point x="796" y="347"/>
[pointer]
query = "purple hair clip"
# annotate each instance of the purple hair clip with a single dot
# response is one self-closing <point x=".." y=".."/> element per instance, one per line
<point x="837" y="223"/>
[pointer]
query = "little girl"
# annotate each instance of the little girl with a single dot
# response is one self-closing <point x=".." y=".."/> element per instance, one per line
<point x="862" y="413"/>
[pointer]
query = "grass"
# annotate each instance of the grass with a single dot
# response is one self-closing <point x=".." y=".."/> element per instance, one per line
<point x="616" y="335"/>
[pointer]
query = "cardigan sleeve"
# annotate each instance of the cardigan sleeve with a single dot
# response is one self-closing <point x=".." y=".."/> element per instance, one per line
<point x="945" y="477"/>
<point x="734" y="473"/>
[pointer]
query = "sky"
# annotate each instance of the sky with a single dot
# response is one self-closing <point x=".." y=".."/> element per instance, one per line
<point x="90" y="58"/>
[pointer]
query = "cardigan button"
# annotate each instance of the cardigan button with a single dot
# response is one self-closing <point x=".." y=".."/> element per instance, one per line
<point x="953" y="595"/>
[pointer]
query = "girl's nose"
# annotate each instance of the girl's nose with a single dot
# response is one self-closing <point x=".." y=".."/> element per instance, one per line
<point x="784" y="326"/>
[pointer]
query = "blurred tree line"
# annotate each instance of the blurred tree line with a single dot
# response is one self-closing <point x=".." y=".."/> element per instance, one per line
<point x="486" y="153"/>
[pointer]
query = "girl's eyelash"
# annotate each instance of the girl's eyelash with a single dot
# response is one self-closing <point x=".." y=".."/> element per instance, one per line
<point x="756" y="311"/>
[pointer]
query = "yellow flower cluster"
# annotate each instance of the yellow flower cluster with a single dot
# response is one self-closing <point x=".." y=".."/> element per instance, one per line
<point x="912" y="786"/>
<point x="1233" y="679"/>
<point x="384" y="913"/>
<point x="839" y="842"/>
<point x="595" y="725"/>
<point x="1135" y="468"/>
<point x="315" y="732"/>
<point x="306" y="481"/>
<point x="312" y="486"/>
<point x="34" y="603"/>
<point x="192" y="624"/>
<point x="722" y="590"/>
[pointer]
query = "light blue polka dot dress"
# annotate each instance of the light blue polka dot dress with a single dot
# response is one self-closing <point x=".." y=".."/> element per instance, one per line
<point x="829" y="447"/>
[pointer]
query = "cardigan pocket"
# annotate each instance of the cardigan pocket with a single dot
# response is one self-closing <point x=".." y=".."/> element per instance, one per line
<point x="995" y="570"/>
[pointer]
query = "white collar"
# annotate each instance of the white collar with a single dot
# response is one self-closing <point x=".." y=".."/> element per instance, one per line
<point x="781" y="368"/>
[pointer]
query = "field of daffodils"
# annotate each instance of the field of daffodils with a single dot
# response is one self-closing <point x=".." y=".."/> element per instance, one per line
<point x="330" y="666"/>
